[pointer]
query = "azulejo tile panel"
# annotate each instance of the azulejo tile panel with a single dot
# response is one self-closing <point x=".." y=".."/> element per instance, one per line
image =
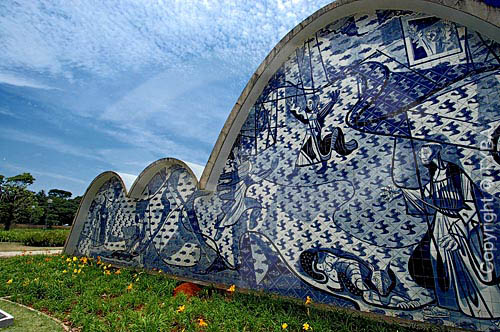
<point x="367" y="175"/>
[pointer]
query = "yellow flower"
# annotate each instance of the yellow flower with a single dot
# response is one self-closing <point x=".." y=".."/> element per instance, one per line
<point x="181" y="308"/>
<point x="118" y="271"/>
<point x="109" y="266"/>
<point x="129" y="287"/>
<point x="9" y="281"/>
<point x="84" y="260"/>
<point x="231" y="288"/>
<point x="284" y="326"/>
<point x="308" y="300"/>
<point x="75" y="271"/>
<point x="65" y="271"/>
<point x="79" y="271"/>
<point x="306" y="327"/>
<point x="201" y="322"/>
<point x="68" y="259"/>
<point x="107" y="272"/>
<point x="74" y="259"/>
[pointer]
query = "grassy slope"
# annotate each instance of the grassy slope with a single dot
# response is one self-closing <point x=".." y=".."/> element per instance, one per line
<point x="99" y="302"/>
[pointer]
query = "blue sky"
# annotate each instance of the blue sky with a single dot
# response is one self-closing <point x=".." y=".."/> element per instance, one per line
<point x="90" y="86"/>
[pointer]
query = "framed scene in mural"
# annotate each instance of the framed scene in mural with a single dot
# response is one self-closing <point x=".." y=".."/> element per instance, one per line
<point x="428" y="38"/>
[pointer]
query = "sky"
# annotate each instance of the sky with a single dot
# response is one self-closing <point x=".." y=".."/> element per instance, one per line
<point x="91" y="86"/>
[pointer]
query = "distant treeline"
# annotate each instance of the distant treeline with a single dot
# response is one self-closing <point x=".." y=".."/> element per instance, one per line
<point x="18" y="205"/>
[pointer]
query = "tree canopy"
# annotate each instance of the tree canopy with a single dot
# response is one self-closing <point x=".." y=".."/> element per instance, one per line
<point x="18" y="205"/>
<point x="59" y="193"/>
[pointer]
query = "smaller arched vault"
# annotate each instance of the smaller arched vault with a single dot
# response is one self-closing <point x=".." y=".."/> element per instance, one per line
<point x="360" y="166"/>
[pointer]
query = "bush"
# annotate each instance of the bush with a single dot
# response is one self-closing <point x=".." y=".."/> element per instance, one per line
<point x="11" y="236"/>
<point x="35" y="238"/>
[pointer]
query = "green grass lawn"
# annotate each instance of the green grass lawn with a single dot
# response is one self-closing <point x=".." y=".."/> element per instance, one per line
<point x="85" y="296"/>
<point x="26" y="320"/>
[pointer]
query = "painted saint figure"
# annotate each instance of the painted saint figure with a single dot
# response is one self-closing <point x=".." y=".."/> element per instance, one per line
<point x="317" y="147"/>
<point x="356" y="278"/>
<point x="451" y="259"/>
<point x="104" y="207"/>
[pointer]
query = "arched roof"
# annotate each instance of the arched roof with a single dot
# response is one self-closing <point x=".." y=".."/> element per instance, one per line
<point x="474" y="14"/>
<point x="134" y="192"/>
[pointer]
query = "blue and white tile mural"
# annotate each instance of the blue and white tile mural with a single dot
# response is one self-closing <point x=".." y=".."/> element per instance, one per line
<point x="367" y="176"/>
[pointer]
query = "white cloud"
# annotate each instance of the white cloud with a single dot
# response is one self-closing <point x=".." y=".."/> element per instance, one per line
<point x="107" y="37"/>
<point x="57" y="176"/>
<point x="197" y="169"/>
<point x="175" y="104"/>
<point x="49" y="143"/>
<point x="4" y="111"/>
<point x="13" y="79"/>
<point x="128" y="179"/>
<point x="155" y="144"/>
<point x="20" y="169"/>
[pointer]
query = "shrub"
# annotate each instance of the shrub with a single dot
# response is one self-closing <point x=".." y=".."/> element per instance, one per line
<point x="11" y="236"/>
<point x="35" y="238"/>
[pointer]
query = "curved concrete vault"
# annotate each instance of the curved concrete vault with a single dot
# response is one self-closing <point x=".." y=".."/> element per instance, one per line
<point x="360" y="166"/>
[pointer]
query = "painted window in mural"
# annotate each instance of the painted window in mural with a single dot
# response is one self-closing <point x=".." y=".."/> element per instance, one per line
<point x="428" y="38"/>
<point x="367" y="175"/>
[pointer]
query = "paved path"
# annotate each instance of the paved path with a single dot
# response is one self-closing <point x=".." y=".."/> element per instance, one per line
<point x="32" y="252"/>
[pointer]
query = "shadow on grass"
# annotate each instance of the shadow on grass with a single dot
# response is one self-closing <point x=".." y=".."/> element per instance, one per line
<point x="26" y="320"/>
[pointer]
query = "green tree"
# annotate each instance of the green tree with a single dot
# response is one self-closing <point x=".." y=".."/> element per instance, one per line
<point x="41" y="199"/>
<point x="60" y="208"/>
<point x="16" y="201"/>
<point x="75" y="204"/>
<point x="52" y="206"/>
<point x="60" y="193"/>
